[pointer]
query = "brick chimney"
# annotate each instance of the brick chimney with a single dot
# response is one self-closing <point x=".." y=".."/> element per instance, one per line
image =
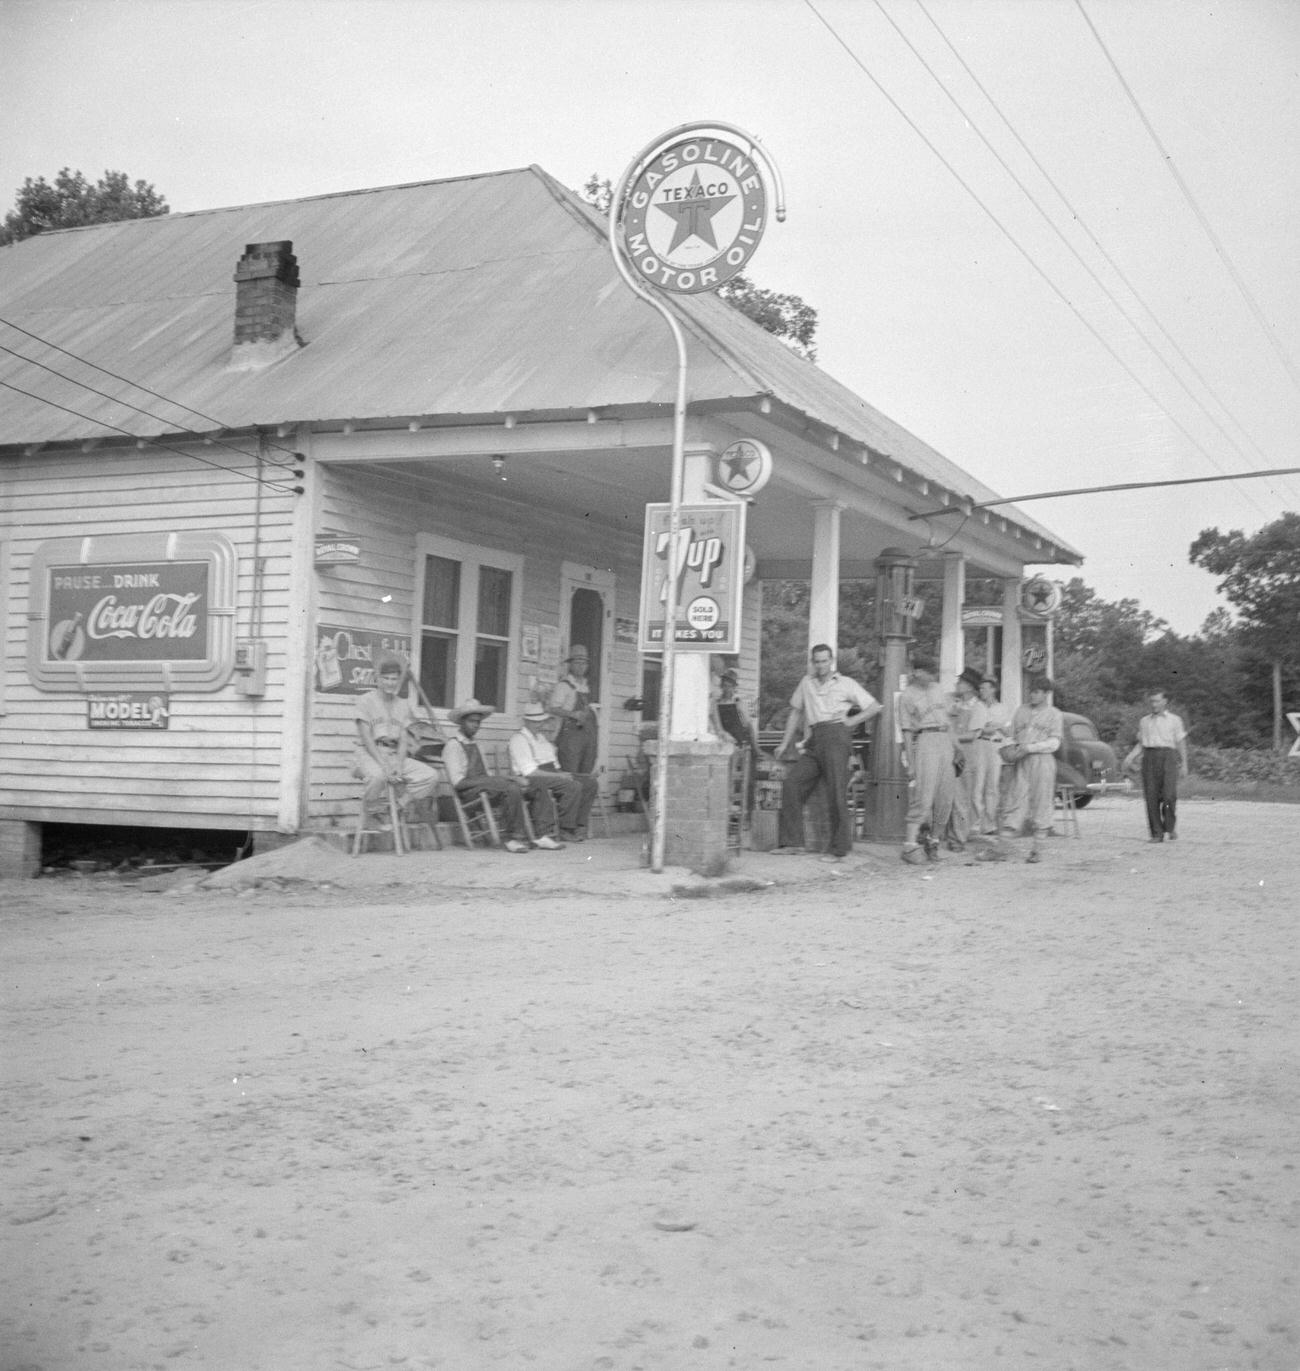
<point x="266" y="304"/>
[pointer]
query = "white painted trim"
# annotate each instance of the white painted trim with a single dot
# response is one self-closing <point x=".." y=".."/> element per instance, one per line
<point x="471" y="556"/>
<point x="575" y="576"/>
<point x="299" y="647"/>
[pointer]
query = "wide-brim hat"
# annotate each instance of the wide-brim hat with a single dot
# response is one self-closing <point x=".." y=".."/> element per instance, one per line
<point x="578" y="651"/>
<point x="536" y="714"/>
<point x="971" y="677"/>
<point x="463" y="711"/>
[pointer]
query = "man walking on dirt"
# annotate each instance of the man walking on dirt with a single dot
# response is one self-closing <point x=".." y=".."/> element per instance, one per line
<point x="824" y="710"/>
<point x="1162" y="749"/>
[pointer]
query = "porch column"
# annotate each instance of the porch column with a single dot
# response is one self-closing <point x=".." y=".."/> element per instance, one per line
<point x="824" y="591"/>
<point x="952" y="646"/>
<point x="691" y="675"/>
<point x="1011" y="643"/>
<point x="698" y="800"/>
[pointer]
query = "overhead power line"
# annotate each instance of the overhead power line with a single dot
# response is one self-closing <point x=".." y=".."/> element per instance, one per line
<point x="1077" y="217"/>
<point x="126" y="381"/>
<point x="965" y="507"/>
<point x="148" y="413"/>
<point x="1011" y="238"/>
<point x="283" y="486"/>
<point x="1215" y="242"/>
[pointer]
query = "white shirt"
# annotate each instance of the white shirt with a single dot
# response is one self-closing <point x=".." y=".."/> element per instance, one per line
<point x="829" y="701"/>
<point x="1161" y="730"/>
<point x="529" y="751"/>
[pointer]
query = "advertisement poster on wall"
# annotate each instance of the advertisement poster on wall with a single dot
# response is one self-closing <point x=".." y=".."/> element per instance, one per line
<point x="346" y="657"/>
<point x="709" y="558"/>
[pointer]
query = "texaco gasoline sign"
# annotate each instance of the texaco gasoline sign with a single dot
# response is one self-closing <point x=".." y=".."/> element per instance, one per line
<point x="695" y="215"/>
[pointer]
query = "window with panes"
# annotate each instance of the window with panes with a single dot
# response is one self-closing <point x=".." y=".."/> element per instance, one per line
<point x="467" y="623"/>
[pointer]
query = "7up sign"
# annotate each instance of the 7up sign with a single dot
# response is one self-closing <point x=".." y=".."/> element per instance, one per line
<point x="708" y="557"/>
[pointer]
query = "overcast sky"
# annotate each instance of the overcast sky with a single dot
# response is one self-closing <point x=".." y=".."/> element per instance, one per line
<point x="975" y="326"/>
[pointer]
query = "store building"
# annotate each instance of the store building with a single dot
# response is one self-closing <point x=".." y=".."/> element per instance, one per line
<point x="245" y="450"/>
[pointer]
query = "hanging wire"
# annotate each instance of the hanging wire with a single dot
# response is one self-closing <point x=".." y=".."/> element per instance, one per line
<point x="126" y="380"/>
<point x="1100" y="490"/>
<point x="1215" y="242"/>
<point x="154" y="444"/>
<point x="1067" y="244"/>
<point x="1077" y="217"/>
<point x="1006" y="232"/>
<point x="218" y="442"/>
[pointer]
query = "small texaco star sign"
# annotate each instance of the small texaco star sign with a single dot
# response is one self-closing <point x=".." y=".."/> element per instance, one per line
<point x="745" y="467"/>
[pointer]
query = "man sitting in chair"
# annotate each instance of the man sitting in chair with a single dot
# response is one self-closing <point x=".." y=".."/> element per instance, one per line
<point x="382" y="720"/>
<point x="470" y="777"/>
<point x="534" y="762"/>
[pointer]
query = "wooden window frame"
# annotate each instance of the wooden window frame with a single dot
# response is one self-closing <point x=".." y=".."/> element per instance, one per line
<point x="472" y="557"/>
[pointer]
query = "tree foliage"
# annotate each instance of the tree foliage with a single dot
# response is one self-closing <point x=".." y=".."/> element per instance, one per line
<point x="1109" y="656"/>
<point x="1261" y="576"/>
<point x="787" y="317"/>
<point x="73" y="201"/>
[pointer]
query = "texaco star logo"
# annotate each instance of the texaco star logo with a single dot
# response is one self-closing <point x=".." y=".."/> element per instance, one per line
<point x="695" y="215"/>
<point x="1042" y="597"/>
<point x="745" y="467"/>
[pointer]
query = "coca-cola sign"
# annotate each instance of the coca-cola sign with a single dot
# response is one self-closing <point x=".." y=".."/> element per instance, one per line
<point x="150" y="611"/>
<point x="128" y="611"/>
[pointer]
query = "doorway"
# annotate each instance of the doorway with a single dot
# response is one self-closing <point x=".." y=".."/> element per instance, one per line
<point x="586" y="618"/>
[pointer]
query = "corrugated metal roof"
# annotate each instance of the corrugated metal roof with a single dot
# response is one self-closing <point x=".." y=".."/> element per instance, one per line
<point x="482" y="295"/>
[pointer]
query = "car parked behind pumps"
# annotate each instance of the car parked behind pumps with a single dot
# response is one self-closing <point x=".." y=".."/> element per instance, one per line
<point x="1087" y="763"/>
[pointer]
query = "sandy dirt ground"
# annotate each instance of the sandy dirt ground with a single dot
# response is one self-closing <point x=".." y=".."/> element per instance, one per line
<point x="466" y="1111"/>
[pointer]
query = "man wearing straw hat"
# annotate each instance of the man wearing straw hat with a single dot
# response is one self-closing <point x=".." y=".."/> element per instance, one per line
<point x="552" y="794"/>
<point x="468" y="773"/>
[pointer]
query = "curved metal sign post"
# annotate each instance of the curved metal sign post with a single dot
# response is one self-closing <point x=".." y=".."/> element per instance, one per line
<point x="688" y="213"/>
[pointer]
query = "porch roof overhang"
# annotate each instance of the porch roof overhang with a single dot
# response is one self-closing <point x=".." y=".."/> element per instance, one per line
<point x="609" y="462"/>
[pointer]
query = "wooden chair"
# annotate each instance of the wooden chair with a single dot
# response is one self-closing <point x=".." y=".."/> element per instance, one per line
<point x="599" y="805"/>
<point x="738" y="806"/>
<point x="474" y="818"/>
<point x="641" y="776"/>
<point x="499" y="765"/>
<point x="1069" y="815"/>
<point x="368" y="826"/>
<point x="406" y="833"/>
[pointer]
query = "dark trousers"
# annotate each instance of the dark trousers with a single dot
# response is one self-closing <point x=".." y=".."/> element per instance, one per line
<point x="575" y="745"/>
<point x="1160" y="785"/>
<point x="505" y="795"/>
<point x="552" y="791"/>
<point x="825" y="758"/>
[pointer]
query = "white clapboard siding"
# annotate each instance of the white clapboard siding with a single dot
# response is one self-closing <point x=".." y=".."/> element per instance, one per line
<point x="218" y="761"/>
<point x="387" y="514"/>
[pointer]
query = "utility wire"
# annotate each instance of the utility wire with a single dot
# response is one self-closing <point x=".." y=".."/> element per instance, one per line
<point x="281" y="486"/>
<point x="54" y="371"/>
<point x="1251" y="303"/>
<point x="1092" y="237"/>
<point x="1010" y="237"/>
<point x="86" y="362"/>
<point x="965" y="508"/>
